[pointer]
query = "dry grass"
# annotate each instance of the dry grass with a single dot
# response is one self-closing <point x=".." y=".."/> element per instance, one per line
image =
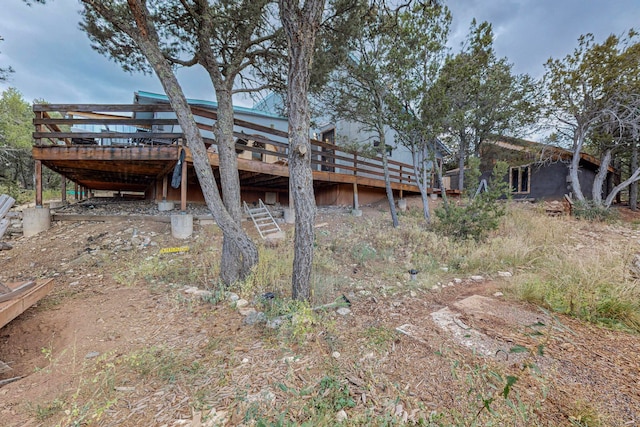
<point x="553" y="265"/>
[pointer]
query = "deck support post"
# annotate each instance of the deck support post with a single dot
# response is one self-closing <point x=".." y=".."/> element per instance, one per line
<point x="183" y="187"/>
<point x="165" y="205"/>
<point x="356" y="211"/>
<point x="38" y="176"/>
<point x="63" y="190"/>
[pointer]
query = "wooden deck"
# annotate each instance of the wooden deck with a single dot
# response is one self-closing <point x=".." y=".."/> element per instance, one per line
<point x="20" y="300"/>
<point x="145" y="149"/>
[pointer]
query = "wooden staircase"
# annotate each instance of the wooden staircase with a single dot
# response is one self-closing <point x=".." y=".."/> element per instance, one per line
<point x="262" y="219"/>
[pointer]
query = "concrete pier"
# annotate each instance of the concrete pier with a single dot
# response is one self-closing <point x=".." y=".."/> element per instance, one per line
<point x="181" y="226"/>
<point x="165" y="206"/>
<point x="35" y="220"/>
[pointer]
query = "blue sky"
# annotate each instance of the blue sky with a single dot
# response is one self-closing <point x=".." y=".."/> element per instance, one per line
<point x="53" y="60"/>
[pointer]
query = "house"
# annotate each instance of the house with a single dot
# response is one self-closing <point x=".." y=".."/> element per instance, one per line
<point x="333" y="135"/>
<point x="135" y="148"/>
<point x="537" y="171"/>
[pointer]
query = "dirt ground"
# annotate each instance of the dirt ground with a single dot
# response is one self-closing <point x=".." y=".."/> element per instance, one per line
<point x="97" y="313"/>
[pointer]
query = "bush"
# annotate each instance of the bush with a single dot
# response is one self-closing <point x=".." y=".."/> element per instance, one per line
<point x="592" y="212"/>
<point x="480" y="213"/>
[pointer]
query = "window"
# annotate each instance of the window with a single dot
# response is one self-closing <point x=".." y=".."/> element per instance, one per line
<point x="519" y="179"/>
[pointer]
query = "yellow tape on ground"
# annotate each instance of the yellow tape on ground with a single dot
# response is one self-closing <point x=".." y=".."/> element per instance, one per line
<point x="173" y="250"/>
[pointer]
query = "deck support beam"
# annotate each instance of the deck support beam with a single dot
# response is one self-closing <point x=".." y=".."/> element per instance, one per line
<point x="63" y="189"/>
<point x="183" y="187"/>
<point x="38" y="173"/>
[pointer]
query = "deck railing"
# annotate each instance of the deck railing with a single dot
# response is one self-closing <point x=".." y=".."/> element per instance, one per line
<point x="123" y="125"/>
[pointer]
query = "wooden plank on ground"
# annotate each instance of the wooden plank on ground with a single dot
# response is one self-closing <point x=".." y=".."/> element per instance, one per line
<point x="6" y="202"/>
<point x="4" y="224"/>
<point x="9" y="310"/>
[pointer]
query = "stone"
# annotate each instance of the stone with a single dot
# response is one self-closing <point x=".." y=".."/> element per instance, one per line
<point x="504" y="274"/>
<point x="242" y="303"/>
<point x="246" y="311"/>
<point x="91" y="355"/>
<point x="255" y="317"/>
<point x="477" y="278"/>
<point x="275" y="323"/>
<point x="335" y="354"/>
<point x="341" y="416"/>
<point x="498" y="294"/>
<point x="343" y="311"/>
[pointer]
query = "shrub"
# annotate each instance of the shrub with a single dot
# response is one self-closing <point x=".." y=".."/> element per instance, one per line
<point x="480" y="213"/>
<point x="592" y="212"/>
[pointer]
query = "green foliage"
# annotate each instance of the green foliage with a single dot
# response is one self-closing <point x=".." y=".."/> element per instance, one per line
<point x="481" y="213"/>
<point x="16" y="165"/>
<point x="592" y="212"/>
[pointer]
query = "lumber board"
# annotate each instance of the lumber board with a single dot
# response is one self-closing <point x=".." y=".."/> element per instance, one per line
<point x="4" y="224"/>
<point x="9" y="310"/>
<point x="6" y="202"/>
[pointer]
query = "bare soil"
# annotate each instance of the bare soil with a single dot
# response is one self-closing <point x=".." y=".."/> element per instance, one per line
<point x="98" y="313"/>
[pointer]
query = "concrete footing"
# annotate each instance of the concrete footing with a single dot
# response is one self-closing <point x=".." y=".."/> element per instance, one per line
<point x="165" y="206"/>
<point x="181" y="226"/>
<point x="402" y="205"/>
<point x="35" y="220"/>
<point x="289" y="216"/>
<point x="356" y="212"/>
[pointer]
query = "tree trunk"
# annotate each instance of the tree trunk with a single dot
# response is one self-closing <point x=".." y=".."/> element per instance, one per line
<point x="230" y="227"/>
<point x="598" y="181"/>
<point x="387" y="180"/>
<point x="635" y="177"/>
<point x="420" y="175"/>
<point x="301" y="27"/>
<point x="230" y="263"/>
<point x="633" y="188"/>
<point x="461" y="160"/>
<point x="574" y="167"/>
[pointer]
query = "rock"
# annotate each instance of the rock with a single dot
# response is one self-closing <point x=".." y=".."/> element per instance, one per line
<point x="343" y="311"/>
<point x="232" y="297"/>
<point x="341" y="416"/>
<point x="504" y="274"/>
<point x="246" y="311"/>
<point x="275" y="323"/>
<point x="255" y="317"/>
<point x="335" y="354"/>
<point x="242" y="303"/>
<point x="76" y="283"/>
<point x="435" y="288"/>
<point x="477" y="278"/>
<point x="197" y="292"/>
<point x="457" y="280"/>
<point x="91" y="355"/>
<point x="498" y="294"/>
